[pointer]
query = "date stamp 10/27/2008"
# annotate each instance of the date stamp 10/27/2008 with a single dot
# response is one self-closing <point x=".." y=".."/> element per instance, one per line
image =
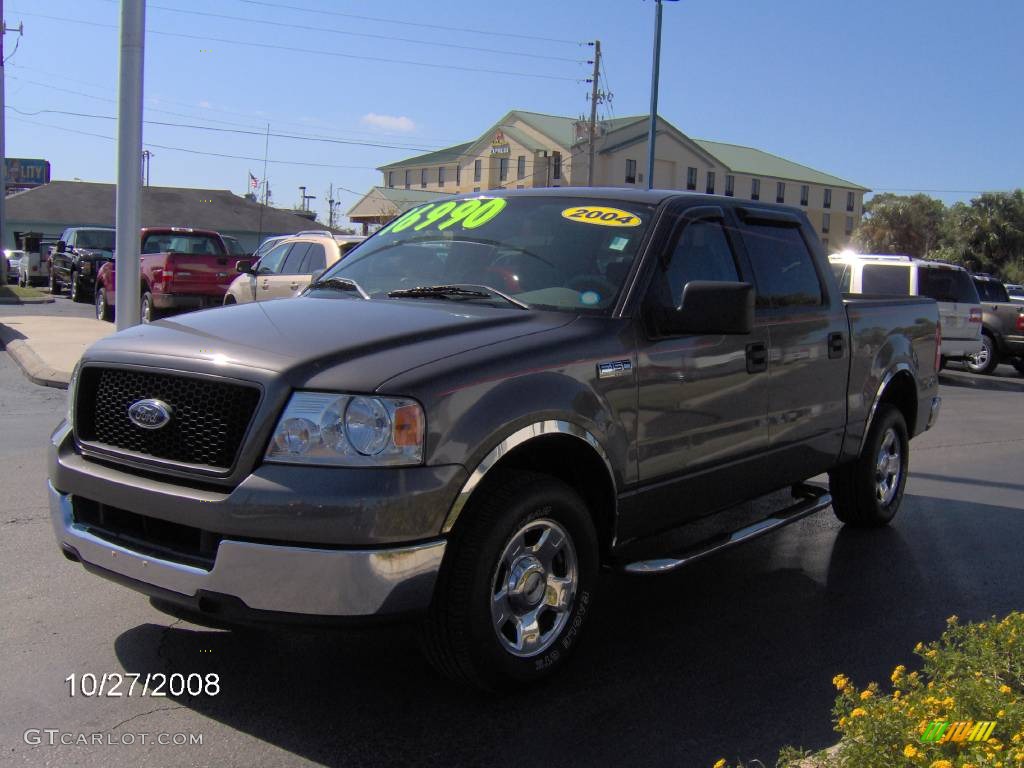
<point x="114" y="684"/>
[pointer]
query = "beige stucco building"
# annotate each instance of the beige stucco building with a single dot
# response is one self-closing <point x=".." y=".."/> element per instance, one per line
<point x="527" y="149"/>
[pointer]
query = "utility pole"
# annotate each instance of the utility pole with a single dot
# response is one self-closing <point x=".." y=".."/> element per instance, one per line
<point x="655" y="71"/>
<point x="129" y="149"/>
<point x="3" y="151"/>
<point x="594" y="95"/>
<point x="331" y="203"/>
<point x="305" y="199"/>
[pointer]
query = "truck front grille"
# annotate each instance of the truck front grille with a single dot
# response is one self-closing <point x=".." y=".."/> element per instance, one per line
<point x="208" y="423"/>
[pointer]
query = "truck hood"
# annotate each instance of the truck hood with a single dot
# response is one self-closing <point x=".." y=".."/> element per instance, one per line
<point x="321" y="341"/>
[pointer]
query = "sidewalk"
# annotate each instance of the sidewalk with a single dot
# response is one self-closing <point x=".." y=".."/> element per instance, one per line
<point x="47" y="347"/>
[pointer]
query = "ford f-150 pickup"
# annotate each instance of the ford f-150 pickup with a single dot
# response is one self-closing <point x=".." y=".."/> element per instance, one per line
<point x="77" y="257"/>
<point x="493" y="397"/>
<point x="182" y="268"/>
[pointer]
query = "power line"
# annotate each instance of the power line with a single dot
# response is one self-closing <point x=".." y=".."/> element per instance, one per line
<point x="315" y="51"/>
<point x="417" y="24"/>
<point x="224" y="130"/>
<point x="370" y="35"/>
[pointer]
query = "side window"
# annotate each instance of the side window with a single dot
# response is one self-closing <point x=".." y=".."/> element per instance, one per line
<point x="700" y="252"/>
<point x="293" y="261"/>
<point x="271" y="263"/>
<point x="316" y="259"/>
<point x="843" y="274"/>
<point x="783" y="266"/>
<point x="882" y="278"/>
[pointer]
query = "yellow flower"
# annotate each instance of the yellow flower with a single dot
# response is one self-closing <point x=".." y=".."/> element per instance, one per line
<point x="952" y="619"/>
<point x="1005" y="689"/>
<point x="720" y="763"/>
<point x="919" y="647"/>
<point x="910" y="751"/>
<point x="896" y="694"/>
<point x="897" y="673"/>
<point x="858" y="712"/>
<point x="941" y="764"/>
<point x="840" y="682"/>
<point x="865" y="695"/>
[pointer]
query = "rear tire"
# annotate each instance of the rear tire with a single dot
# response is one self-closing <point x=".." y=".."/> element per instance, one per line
<point x="146" y="311"/>
<point x="1019" y="365"/>
<point x="866" y="493"/>
<point x="103" y="310"/>
<point x="986" y="360"/>
<point x="518" y="579"/>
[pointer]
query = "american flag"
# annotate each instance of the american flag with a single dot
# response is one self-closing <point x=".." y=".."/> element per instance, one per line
<point x="253" y="181"/>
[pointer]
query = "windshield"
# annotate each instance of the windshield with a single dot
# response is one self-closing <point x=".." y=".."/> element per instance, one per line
<point x="234" y="247"/>
<point x="569" y="254"/>
<point x="99" y="239"/>
<point x="990" y="290"/>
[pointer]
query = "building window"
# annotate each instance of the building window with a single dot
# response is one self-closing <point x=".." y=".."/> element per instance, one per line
<point x="521" y="167"/>
<point x="391" y="179"/>
<point x="631" y="171"/>
<point x="691" y="178"/>
<point x="423" y="177"/>
<point x="755" y="189"/>
<point x="440" y="176"/>
<point x="458" y="175"/>
<point x="476" y="189"/>
<point x="556" y="171"/>
<point x="408" y="179"/>
<point x="849" y="225"/>
<point x="826" y="222"/>
<point x="730" y="185"/>
<point x="780" y="192"/>
<point x="849" y="201"/>
<point x="828" y="199"/>
<point x="519" y="186"/>
<point x="805" y="193"/>
<point x="710" y="186"/>
<point x="476" y="173"/>
<point x="503" y="169"/>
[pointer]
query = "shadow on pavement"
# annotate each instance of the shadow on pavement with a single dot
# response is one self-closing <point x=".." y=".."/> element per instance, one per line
<point x="732" y="657"/>
<point x="1013" y="383"/>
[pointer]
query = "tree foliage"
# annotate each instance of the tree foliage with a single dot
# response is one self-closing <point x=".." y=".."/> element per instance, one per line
<point x="985" y="235"/>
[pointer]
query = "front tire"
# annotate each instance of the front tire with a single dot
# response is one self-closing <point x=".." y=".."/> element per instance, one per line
<point x="103" y="310"/>
<point x="866" y="493"/>
<point x="54" y="284"/>
<point x="75" y="291"/>
<point x="146" y="311"/>
<point x="984" y="361"/>
<point x="518" y="580"/>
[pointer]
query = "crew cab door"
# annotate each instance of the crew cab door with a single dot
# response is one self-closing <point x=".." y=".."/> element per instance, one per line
<point x="703" y="399"/>
<point x="808" y="334"/>
<point x="268" y="273"/>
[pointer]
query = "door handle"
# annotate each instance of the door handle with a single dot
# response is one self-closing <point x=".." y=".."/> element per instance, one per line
<point x="294" y="286"/>
<point x="266" y="284"/>
<point x="835" y="346"/>
<point x="757" y="357"/>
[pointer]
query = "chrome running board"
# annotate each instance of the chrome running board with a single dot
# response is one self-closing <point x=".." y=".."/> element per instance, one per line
<point x="812" y="499"/>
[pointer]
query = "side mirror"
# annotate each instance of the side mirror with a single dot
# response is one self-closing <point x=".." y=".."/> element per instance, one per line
<point x="316" y="275"/>
<point x="243" y="266"/>
<point x="61" y="246"/>
<point x="711" y="307"/>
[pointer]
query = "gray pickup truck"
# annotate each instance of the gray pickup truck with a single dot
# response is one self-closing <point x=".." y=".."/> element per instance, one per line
<point x="492" y="398"/>
<point x="1002" y="328"/>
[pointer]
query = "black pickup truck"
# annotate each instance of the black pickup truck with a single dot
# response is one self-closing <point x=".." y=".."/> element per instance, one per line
<point x="76" y="259"/>
<point x="493" y="397"/>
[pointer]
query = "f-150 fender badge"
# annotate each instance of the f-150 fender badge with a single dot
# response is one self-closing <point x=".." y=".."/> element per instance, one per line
<point x="614" y="368"/>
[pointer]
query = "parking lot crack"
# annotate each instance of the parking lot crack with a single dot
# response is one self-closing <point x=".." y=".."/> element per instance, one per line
<point x="145" y="714"/>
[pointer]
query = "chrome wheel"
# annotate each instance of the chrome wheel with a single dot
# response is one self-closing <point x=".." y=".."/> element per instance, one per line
<point x="534" y="587"/>
<point x="982" y="361"/>
<point x="888" y="467"/>
<point x="146" y="310"/>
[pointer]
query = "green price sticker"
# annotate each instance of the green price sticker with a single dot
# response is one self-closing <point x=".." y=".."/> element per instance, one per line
<point x="470" y="214"/>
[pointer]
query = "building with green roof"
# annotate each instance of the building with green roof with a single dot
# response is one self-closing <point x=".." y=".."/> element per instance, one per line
<point x="528" y="149"/>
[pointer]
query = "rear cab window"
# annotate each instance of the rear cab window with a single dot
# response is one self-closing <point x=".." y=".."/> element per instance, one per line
<point x="991" y="290"/>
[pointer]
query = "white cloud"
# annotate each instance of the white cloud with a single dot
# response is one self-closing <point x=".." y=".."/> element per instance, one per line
<point x="389" y="122"/>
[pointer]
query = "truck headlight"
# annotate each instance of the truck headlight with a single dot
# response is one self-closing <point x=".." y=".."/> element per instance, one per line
<point x="348" y="430"/>
<point x="69" y="414"/>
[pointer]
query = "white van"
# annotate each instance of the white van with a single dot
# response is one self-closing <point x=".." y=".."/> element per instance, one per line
<point x="951" y="286"/>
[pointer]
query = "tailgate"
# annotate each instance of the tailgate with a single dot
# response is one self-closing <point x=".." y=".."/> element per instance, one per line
<point x="189" y="273"/>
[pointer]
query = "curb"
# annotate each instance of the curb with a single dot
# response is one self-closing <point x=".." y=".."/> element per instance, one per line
<point x="16" y="302"/>
<point x="31" y="364"/>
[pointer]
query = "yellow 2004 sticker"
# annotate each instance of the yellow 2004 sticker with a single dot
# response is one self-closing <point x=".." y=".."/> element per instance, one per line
<point x="602" y="216"/>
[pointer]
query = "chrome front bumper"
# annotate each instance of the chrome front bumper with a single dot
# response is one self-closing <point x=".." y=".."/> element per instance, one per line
<point x="265" y="577"/>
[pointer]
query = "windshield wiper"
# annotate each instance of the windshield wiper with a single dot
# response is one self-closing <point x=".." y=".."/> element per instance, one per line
<point x="467" y="290"/>
<point x="340" y="284"/>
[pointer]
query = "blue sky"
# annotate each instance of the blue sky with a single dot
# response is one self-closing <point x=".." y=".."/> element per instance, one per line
<point x="901" y="96"/>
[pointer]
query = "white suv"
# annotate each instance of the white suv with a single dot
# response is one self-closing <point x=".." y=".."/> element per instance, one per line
<point x="951" y="287"/>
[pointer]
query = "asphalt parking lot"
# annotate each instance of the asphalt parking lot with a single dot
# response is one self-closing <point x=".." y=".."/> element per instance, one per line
<point x="732" y="657"/>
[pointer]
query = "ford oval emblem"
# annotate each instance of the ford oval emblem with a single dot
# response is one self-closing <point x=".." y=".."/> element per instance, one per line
<point x="149" y="414"/>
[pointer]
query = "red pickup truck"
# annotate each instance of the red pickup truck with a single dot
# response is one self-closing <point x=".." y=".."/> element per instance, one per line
<point x="182" y="268"/>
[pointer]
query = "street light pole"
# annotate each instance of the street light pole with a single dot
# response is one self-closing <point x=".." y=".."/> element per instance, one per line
<point x="129" y="150"/>
<point x="655" y="71"/>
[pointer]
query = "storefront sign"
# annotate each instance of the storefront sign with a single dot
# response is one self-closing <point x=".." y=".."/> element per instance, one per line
<point x="499" y="145"/>
<point x="24" y="172"/>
